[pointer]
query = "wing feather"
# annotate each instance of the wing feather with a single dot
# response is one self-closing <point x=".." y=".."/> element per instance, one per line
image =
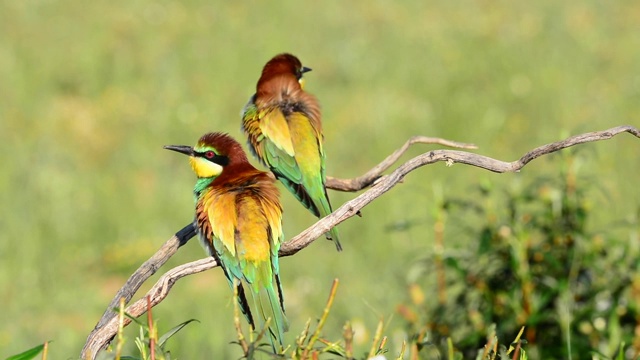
<point x="274" y="126"/>
<point x="221" y="210"/>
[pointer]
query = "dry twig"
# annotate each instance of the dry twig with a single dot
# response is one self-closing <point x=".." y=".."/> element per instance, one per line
<point x="107" y="326"/>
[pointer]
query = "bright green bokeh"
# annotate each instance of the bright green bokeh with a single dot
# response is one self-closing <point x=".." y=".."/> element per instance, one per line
<point x="90" y="91"/>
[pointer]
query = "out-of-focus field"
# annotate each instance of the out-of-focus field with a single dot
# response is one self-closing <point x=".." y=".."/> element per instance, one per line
<point x="90" y="91"/>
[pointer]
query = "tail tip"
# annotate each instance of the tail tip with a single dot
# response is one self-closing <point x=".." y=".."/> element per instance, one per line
<point x="335" y="241"/>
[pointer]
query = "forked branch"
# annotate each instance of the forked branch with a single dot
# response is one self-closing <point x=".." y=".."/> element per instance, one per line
<point x="107" y="327"/>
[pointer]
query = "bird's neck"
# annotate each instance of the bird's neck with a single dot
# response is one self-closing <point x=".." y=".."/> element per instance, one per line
<point x="201" y="185"/>
<point x="277" y="87"/>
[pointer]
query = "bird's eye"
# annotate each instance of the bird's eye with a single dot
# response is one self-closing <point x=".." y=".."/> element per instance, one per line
<point x="209" y="154"/>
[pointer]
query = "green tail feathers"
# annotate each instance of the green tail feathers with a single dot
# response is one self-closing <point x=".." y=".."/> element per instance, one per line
<point x="333" y="235"/>
<point x="324" y="208"/>
<point x="267" y="305"/>
<point x="315" y="201"/>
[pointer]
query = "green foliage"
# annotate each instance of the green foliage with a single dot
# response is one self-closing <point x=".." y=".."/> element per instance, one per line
<point x="312" y="344"/>
<point x="166" y="336"/>
<point x="28" y="354"/>
<point x="149" y="346"/>
<point x="531" y="262"/>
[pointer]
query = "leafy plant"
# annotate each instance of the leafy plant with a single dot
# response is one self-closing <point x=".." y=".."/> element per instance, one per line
<point x="531" y="262"/>
<point x="149" y="345"/>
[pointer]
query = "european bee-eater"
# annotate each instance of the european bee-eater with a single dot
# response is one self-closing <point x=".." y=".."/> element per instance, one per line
<point x="283" y="125"/>
<point x="239" y="222"/>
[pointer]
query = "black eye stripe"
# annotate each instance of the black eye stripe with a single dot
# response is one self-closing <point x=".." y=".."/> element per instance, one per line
<point x="218" y="159"/>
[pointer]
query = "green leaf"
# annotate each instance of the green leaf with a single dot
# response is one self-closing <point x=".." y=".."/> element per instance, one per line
<point x="621" y="352"/>
<point x="27" y="355"/>
<point x="173" y="331"/>
<point x="141" y="344"/>
<point x="131" y="317"/>
<point x="336" y="352"/>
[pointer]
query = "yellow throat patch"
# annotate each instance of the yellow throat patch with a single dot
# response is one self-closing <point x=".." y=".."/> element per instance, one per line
<point x="204" y="168"/>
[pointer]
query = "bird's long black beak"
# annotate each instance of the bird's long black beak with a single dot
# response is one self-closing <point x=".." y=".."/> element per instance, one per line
<point x="184" y="149"/>
<point x="305" y="69"/>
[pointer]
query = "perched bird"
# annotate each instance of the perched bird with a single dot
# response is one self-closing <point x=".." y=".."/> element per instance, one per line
<point x="282" y="123"/>
<point x="239" y="221"/>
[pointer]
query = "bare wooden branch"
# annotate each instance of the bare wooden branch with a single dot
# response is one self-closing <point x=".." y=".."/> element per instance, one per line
<point x="107" y="327"/>
<point x="147" y="269"/>
<point x="361" y="182"/>
<point x="101" y="337"/>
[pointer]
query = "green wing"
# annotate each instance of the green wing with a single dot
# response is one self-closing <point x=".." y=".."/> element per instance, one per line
<point x="291" y="146"/>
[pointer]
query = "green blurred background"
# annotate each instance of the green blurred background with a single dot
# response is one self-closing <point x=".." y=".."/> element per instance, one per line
<point x="90" y="91"/>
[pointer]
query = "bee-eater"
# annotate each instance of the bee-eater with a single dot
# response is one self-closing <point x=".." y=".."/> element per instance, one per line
<point x="283" y="125"/>
<point x="239" y="221"/>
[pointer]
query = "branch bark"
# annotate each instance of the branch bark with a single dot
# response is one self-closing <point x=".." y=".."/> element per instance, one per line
<point x="368" y="178"/>
<point x="107" y="327"/>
